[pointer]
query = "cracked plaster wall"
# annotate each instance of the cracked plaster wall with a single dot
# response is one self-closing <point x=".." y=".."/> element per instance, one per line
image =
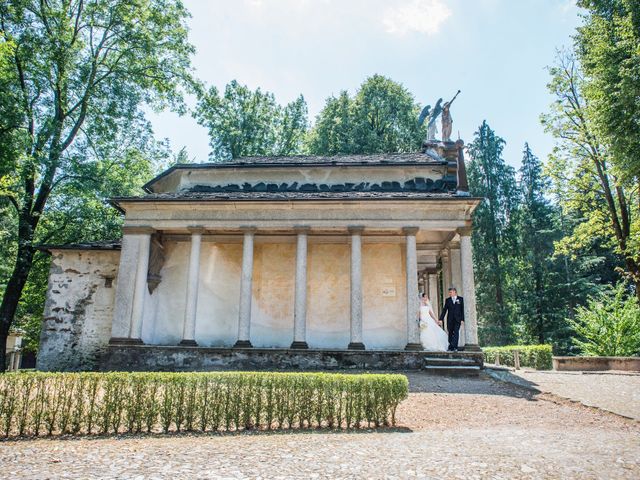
<point x="78" y="310"/>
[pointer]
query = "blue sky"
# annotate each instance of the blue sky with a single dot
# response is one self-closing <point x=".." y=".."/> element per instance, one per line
<point x="495" y="51"/>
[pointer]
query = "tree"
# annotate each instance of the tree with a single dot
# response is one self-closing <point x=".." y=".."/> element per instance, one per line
<point x="596" y="193"/>
<point x="493" y="240"/>
<point x="535" y="242"/>
<point x="380" y="118"/>
<point x="78" y="211"/>
<point x="244" y="122"/>
<point x="80" y="71"/>
<point x="608" y="47"/>
<point x="333" y="131"/>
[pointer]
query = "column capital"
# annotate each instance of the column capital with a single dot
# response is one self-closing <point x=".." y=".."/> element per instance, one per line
<point x="355" y="229"/>
<point x="301" y="229"/>
<point x="248" y="229"/>
<point x="138" y="230"/>
<point x="410" y="230"/>
<point x="465" y="231"/>
<point x="196" y="229"/>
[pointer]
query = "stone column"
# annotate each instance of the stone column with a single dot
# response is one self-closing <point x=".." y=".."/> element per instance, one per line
<point x="468" y="281"/>
<point x="413" y="332"/>
<point x="425" y="282"/>
<point x="246" y="281"/>
<point x="356" y="289"/>
<point x="300" y="306"/>
<point x="126" y="327"/>
<point x="446" y="271"/>
<point x="456" y="281"/>
<point x="189" y="325"/>
<point x="433" y="292"/>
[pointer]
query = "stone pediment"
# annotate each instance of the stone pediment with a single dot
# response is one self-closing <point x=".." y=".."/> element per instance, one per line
<point x="432" y="170"/>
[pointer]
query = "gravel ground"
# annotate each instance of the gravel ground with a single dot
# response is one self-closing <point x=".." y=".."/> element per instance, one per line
<point x="453" y="428"/>
<point x="616" y="392"/>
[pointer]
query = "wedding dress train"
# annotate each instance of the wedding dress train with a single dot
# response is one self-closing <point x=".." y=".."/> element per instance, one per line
<point x="432" y="337"/>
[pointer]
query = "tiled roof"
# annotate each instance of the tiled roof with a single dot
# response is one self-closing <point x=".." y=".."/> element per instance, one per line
<point x="100" y="245"/>
<point x="371" y="159"/>
<point x="275" y="196"/>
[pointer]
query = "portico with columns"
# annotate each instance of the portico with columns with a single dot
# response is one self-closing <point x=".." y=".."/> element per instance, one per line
<point x="304" y="254"/>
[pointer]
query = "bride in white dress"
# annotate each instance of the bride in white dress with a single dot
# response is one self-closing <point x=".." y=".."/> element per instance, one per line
<point x="432" y="336"/>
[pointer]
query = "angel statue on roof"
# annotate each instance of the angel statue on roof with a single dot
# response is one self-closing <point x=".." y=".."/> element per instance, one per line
<point x="431" y="116"/>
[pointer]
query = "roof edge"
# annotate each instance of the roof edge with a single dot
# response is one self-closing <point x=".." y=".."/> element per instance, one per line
<point x="228" y="164"/>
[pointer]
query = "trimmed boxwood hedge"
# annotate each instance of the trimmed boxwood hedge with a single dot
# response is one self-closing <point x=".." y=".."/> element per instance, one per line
<point x="38" y="403"/>
<point x="533" y="356"/>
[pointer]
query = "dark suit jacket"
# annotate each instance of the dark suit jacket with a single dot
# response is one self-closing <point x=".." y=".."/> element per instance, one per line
<point x="455" y="311"/>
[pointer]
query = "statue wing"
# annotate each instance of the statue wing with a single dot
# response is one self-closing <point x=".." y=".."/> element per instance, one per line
<point x="437" y="110"/>
<point x="424" y="114"/>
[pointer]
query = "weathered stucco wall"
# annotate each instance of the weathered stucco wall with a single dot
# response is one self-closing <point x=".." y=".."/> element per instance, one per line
<point x="218" y="294"/>
<point x="273" y="295"/>
<point x="384" y="323"/>
<point x="328" y="296"/>
<point x="78" y="309"/>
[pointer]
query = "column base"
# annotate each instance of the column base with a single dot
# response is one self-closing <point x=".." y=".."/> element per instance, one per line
<point x="299" y="345"/>
<point x="188" y="343"/>
<point x="355" y="346"/>
<point x="125" y="341"/>
<point x="471" y="347"/>
<point x="243" y="344"/>
<point x="414" y="347"/>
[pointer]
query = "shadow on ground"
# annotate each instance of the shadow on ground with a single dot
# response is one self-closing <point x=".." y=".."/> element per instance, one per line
<point x="487" y="383"/>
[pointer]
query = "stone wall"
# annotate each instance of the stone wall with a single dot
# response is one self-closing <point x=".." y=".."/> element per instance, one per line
<point x="594" y="364"/>
<point x="78" y="310"/>
<point x="189" y="359"/>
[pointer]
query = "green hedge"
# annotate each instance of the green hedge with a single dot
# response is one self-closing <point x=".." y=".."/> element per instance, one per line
<point x="37" y="403"/>
<point x="533" y="356"/>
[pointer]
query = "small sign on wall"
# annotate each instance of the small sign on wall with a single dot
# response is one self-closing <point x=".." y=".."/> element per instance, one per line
<point x="388" y="291"/>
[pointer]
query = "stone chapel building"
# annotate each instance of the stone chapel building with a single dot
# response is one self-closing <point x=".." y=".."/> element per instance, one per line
<point x="269" y="262"/>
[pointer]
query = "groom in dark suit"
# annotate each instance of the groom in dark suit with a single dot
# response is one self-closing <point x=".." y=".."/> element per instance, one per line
<point x="454" y="308"/>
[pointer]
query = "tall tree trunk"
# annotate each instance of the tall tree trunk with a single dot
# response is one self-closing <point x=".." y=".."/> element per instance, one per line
<point x="17" y="281"/>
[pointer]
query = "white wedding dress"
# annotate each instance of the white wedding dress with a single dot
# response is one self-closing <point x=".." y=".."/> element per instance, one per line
<point x="432" y="337"/>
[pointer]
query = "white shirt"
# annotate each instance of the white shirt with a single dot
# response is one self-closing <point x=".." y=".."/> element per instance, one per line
<point x="454" y="298"/>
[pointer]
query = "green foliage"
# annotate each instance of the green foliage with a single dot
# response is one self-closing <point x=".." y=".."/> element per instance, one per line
<point x="609" y="325"/>
<point x="243" y="122"/>
<point x="594" y="193"/>
<point x="533" y="356"/>
<point x="545" y="286"/>
<point x="608" y="46"/>
<point x="73" y="86"/>
<point x="493" y="240"/>
<point x="38" y="403"/>
<point x="380" y="118"/>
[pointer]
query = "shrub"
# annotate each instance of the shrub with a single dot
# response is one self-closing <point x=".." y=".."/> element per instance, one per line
<point x="609" y="325"/>
<point x="533" y="356"/>
<point x="37" y="403"/>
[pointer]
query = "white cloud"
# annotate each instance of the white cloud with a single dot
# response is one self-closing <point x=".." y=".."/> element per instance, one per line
<point x="421" y="16"/>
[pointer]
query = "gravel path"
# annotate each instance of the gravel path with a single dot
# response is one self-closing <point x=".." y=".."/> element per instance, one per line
<point x="448" y="428"/>
<point x="615" y="392"/>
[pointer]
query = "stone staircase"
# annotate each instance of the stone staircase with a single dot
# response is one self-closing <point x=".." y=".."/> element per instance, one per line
<point x="452" y="364"/>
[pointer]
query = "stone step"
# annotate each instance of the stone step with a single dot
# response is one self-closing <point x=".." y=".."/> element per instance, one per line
<point x="447" y="361"/>
<point x="453" y="370"/>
